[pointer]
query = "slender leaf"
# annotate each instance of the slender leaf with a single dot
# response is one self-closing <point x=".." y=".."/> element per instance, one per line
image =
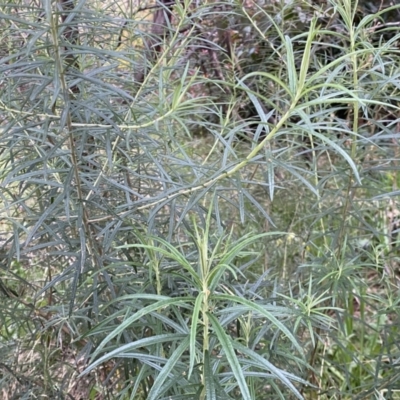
<point x="226" y="344"/>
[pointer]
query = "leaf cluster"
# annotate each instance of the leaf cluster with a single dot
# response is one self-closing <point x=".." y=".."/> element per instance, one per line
<point x="224" y="227"/>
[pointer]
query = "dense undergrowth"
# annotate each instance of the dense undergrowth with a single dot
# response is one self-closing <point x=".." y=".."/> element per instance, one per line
<point x="206" y="211"/>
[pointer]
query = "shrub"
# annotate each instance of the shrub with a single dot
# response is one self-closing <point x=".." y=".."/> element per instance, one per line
<point x="206" y="210"/>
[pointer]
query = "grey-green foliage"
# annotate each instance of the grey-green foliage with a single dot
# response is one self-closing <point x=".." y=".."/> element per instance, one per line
<point x="155" y="264"/>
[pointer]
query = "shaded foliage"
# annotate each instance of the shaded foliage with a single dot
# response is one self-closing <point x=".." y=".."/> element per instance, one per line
<point x="147" y="252"/>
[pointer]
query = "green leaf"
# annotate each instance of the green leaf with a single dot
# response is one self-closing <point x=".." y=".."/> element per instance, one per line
<point x="145" y="342"/>
<point x="305" y="62"/>
<point x="209" y="384"/>
<point x="291" y="67"/>
<point x="146" y="310"/>
<point x="226" y="344"/>
<point x="156" y="390"/>
<point x="252" y="306"/>
<point x="280" y="374"/>
<point x="233" y="252"/>
<point x="193" y="331"/>
<point x="171" y="252"/>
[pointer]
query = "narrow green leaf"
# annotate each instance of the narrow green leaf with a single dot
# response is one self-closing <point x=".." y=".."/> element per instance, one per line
<point x="146" y="310"/>
<point x="193" y="331"/>
<point x="170" y="252"/>
<point x="261" y="310"/>
<point x="156" y="389"/>
<point x="291" y="66"/>
<point x="233" y="252"/>
<point x="244" y="242"/>
<point x="48" y="213"/>
<point x="280" y="374"/>
<point x="226" y="343"/>
<point x="144" y="371"/>
<point x="268" y="76"/>
<point x="270" y="172"/>
<point x="342" y="152"/>
<point x="148" y="341"/>
<point x="209" y="384"/>
<point x="259" y="105"/>
<point x="305" y="62"/>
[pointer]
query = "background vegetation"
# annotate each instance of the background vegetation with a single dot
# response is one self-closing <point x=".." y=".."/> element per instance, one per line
<point x="199" y="200"/>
